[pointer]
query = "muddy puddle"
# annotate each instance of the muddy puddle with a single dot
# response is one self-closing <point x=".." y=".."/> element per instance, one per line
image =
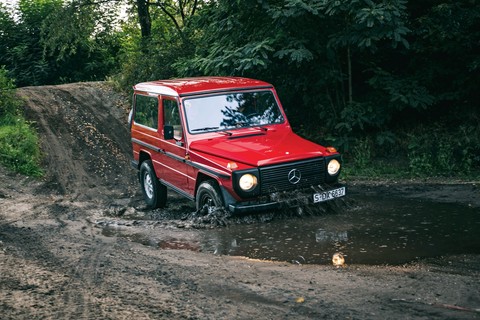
<point x="375" y="231"/>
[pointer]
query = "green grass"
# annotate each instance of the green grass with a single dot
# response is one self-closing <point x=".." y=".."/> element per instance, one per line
<point x="434" y="151"/>
<point x="19" y="148"/>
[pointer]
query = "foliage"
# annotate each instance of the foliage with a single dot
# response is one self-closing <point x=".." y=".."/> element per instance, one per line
<point x="19" y="148"/>
<point x="362" y="154"/>
<point x="150" y="55"/>
<point x="8" y="103"/>
<point x="50" y="42"/>
<point x="437" y="152"/>
<point x="356" y="74"/>
<point x="365" y="23"/>
<point x="299" y="46"/>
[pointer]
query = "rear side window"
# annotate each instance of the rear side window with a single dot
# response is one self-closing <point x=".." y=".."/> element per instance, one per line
<point x="146" y="111"/>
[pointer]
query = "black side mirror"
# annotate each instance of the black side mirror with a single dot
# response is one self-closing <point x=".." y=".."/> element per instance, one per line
<point x="167" y="132"/>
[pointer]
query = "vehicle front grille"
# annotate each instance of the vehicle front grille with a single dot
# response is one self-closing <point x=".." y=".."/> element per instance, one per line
<point x="276" y="178"/>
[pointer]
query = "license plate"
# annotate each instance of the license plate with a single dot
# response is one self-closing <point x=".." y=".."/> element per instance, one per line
<point x="328" y="195"/>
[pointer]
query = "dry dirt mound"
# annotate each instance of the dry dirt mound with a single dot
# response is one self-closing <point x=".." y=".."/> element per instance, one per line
<point x="84" y="138"/>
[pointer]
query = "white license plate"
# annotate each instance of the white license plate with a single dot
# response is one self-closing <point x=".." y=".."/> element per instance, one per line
<point x="328" y="195"/>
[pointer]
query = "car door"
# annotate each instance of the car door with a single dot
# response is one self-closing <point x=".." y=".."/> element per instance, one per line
<point x="175" y="168"/>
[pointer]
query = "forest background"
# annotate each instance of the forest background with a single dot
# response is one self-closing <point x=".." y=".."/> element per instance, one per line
<point x="393" y="84"/>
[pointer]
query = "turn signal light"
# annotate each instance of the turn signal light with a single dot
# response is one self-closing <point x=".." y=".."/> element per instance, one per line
<point x="232" y="165"/>
<point x="331" y="149"/>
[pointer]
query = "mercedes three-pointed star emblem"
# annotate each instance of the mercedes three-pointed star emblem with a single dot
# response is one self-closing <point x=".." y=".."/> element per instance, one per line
<point x="294" y="176"/>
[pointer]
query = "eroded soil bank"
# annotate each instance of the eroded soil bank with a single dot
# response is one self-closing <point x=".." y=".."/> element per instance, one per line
<point x="56" y="262"/>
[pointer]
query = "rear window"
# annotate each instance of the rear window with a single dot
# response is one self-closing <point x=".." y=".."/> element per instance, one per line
<point x="146" y="111"/>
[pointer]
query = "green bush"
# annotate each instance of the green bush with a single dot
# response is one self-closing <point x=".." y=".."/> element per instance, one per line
<point x="436" y="151"/>
<point x="8" y="103"/>
<point x="425" y="151"/>
<point x="362" y="154"/>
<point x="19" y="149"/>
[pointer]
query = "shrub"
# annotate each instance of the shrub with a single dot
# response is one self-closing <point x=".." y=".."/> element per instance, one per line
<point x="8" y="103"/>
<point x="19" y="150"/>
<point x="435" y="151"/>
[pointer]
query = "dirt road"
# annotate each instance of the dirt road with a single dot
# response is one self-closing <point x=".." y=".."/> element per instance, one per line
<point x="56" y="262"/>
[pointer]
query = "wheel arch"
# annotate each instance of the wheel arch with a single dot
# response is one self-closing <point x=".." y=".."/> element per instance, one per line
<point x="143" y="156"/>
<point x="202" y="177"/>
<point x="224" y="194"/>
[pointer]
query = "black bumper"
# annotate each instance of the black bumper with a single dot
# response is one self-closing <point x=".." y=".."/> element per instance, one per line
<point x="290" y="199"/>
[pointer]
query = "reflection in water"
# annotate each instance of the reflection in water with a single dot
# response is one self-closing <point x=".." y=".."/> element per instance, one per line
<point x="330" y="236"/>
<point x="380" y="231"/>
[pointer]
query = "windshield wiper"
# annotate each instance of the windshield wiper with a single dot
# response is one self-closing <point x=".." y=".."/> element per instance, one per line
<point x="261" y="128"/>
<point x="205" y="129"/>
<point x="228" y="133"/>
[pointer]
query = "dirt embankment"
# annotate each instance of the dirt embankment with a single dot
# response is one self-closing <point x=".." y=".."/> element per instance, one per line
<point x="84" y="138"/>
<point x="55" y="262"/>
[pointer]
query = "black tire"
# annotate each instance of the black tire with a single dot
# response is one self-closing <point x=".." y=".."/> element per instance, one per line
<point x="154" y="193"/>
<point x="209" y="197"/>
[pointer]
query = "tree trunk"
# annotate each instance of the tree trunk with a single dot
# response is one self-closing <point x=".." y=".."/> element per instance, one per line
<point x="144" y="18"/>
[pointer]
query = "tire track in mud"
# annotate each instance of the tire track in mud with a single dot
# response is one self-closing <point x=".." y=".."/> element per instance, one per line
<point x="79" y="292"/>
<point x="104" y="281"/>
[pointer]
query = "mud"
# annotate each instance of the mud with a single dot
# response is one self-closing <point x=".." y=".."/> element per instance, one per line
<point x="59" y="258"/>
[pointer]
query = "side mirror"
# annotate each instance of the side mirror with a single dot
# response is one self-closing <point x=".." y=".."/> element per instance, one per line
<point x="130" y="117"/>
<point x="167" y="132"/>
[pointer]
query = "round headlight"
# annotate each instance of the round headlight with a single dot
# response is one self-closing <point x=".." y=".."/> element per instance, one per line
<point x="333" y="167"/>
<point x="247" y="182"/>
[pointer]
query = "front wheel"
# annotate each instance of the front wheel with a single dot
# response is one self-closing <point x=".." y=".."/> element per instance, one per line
<point x="154" y="193"/>
<point x="209" y="198"/>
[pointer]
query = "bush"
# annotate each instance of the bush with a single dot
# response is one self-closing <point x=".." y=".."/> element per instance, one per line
<point x="438" y="152"/>
<point x="19" y="150"/>
<point x="8" y="103"/>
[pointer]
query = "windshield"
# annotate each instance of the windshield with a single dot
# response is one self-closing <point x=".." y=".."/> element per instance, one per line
<point x="232" y="110"/>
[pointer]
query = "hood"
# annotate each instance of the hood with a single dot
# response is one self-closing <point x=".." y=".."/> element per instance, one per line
<point x="259" y="148"/>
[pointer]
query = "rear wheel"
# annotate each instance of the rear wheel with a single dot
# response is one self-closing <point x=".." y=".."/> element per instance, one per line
<point x="154" y="193"/>
<point x="209" y="198"/>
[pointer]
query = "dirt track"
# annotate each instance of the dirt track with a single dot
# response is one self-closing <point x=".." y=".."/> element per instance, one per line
<point x="55" y="263"/>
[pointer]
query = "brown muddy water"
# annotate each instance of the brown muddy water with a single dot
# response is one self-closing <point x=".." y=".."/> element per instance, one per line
<point x="378" y="231"/>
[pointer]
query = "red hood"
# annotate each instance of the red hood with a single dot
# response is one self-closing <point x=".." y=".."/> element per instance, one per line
<point x="259" y="148"/>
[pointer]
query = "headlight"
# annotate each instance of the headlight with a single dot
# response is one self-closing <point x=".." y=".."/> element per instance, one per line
<point x="333" y="167"/>
<point x="247" y="182"/>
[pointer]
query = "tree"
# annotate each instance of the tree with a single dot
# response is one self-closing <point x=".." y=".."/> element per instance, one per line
<point x="50" y="42"/>
<point x="24" y="55"/>
<point x="149" y="55"/>
<point x="306" y="48"/>
<point x="8" y="31"/>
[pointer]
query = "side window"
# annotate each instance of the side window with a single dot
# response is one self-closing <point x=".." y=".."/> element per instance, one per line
<point x="146" y="111"/>
<point x="172" y="117"/>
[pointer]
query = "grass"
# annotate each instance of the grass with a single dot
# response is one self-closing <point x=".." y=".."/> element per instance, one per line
<point x="19" y="149"/>
<point x="433" y="151"/>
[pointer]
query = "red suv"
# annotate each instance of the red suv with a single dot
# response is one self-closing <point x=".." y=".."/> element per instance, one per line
<point x="226" y="142"/>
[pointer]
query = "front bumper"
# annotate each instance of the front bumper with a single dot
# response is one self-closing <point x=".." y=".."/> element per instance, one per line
<point x="290" y="199"/>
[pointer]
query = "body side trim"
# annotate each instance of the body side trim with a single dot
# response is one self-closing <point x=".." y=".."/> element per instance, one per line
<point x="177" y="190"/>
